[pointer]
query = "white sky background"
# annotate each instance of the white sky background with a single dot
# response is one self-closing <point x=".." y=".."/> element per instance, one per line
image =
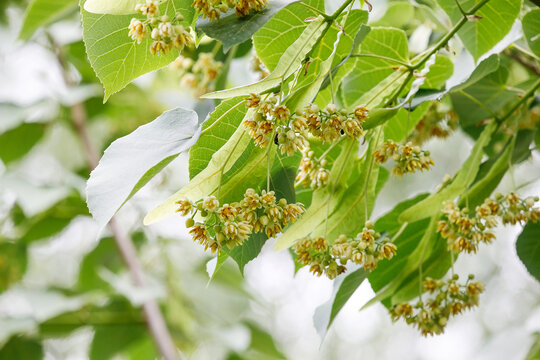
<point x="501" y="328"/>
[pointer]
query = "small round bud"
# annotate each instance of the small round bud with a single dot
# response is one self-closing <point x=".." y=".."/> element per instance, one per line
<point x="204" y="213"/>
<point x="190" y="222"/>
<point x="369" y="224"/>
<point x="455" y="277"/>
<point x="179" y="17"/>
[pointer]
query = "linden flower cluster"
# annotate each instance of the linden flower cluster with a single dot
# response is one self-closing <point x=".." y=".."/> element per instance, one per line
<point x="198" y="75"/>
<point x="312" y="171"/>
<point x="408" y="158"/>
<point x="212" y="9"/>
<point x="439" y="121"/>
<point x="231" y="224"/>
<point x="366" y="249"/>
<point x="464" y="233"/>
<point x="330" y="124"/>
<point x="447" y="299"/>
<point x="165" y="32"/>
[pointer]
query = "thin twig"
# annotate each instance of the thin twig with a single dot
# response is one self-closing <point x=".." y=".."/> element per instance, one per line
<point x="152" y="313"/>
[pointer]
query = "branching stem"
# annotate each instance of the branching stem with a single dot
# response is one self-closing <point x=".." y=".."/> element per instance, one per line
<point x="152" y="313"/>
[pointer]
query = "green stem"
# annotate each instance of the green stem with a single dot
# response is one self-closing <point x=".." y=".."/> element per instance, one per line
<point x="441" y="43"/>
<point x="400" y="231"/>
<point x="524" y="98"/>
<point x="317" y="11"/>
<point x="338" y="12"/>
<point x="268" y="160"/>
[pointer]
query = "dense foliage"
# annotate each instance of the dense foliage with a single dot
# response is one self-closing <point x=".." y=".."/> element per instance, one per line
<point x="344" y="103"/>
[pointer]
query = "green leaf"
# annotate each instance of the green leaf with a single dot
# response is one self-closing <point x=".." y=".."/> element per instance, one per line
<point x="356" y="204"/>
<point x="373" y="78"/>
<point x="487" y="180"/>
<point x="463" y="178"/>
<point x="22" y="348"/>
<point x="378" y="117"/>
<point x="19" y="141"/>
<point x="482" y="99"/>
<point x="326" y="53"/>
<point x="480" y="35"/>
<point x="398" y="14"/>
<point x="248" y="250"/>
<point x="104" y="255"/>
<point x="238" y="153"/>
<point x="114" y="56"/>
<point x="534" y="351"/>
<point x="438" y="73"/>
<point x="531" y="29"/>
<point x="289" y="63"/>
<point x="325" y="200"/>
<point x="406" y="242"/>
<point x="282" y="31"/>
<point x="528" y="248"/>
<point x="216" y="130"/>
<point x="44" y="12"/>
<point x="232" y="30"/>
<point x="282" y="178"/>
<point x="262" y="346"/>
<point x="400" y="125"/>
<point x="117" y="7"/>
<point x="13" y="262"/>
<point x="343" y="290"/>
<point x="131" y="161"/>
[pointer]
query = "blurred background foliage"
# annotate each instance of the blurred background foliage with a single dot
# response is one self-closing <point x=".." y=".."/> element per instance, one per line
<point x="64" y="290"/>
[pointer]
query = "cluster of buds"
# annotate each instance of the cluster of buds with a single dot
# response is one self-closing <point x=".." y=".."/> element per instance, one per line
<point x="439" y="122"/>
<point x="212" y="9"/>
<point x="231" y="224"/>
<point x="330" y="124"/>
<point x="408" y="158"/>
<point x="366" y="250"/>
<point x="269" y="118"/>
<point x="166" y="33"/>
<point x="446" y="299"/>
<point x="465" y="233"/>
<point x="198" y="75"/>
<point x="312" y="172"/>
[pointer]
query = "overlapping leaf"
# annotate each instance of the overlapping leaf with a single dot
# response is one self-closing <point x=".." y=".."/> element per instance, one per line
<point x="114" y="56"/>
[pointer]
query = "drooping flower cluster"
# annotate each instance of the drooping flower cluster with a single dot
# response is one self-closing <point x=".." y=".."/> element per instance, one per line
<point x="231" y="224"/>
<point x="439" y="121"/>
<point x="167" y="33"/>
<point x="198" y="75"/>
<point x="212" y="9"/>
<point x="312" y="171"/>
<point x="465" y="233"/>
<point x="446" y="299"/>
<point x="328" y="125"/>
<point x="365" y="249"/>
<point x="408" y="158"/>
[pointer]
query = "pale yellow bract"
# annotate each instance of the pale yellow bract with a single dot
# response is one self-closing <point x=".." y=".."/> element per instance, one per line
<point x="112" y="7"/>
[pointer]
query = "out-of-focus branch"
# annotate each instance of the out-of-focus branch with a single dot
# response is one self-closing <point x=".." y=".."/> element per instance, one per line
<point x="152" y="312"/>
<point x="525" y="61"/>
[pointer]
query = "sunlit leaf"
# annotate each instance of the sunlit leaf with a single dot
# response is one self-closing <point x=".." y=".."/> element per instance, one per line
<point x="44" y="12"/>
<point x="131" y="161"/>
